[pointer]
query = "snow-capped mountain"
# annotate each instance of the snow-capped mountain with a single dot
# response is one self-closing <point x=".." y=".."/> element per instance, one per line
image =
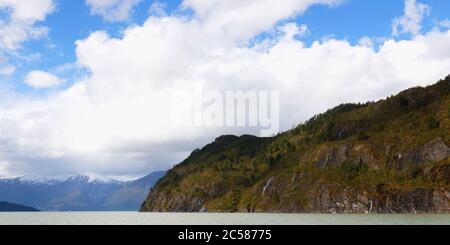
<point x="81" y="192"/>
<point x="92" y="178"/>
<point x="85" y="177"/>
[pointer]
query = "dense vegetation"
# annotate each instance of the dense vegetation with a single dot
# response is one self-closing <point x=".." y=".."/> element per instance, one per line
<point x="386" y="156"/>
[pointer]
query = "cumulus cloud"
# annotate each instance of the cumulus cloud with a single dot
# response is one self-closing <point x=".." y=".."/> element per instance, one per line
<point x="366" y="42"/>
<point x="118" y="120"/>
<point x="241" y="20"/>
<point x="18" y="21"/>
<point x="40" y="79"/>
<point x="411" y="21"/>
<point x="113" y="10"/>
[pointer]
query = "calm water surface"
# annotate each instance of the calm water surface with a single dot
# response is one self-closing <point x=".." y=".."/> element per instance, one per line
<point x="134" y="218"/>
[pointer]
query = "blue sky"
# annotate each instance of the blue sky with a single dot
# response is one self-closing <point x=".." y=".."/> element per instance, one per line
<point x="73" y="20"/>
<point x="86" y="85"/>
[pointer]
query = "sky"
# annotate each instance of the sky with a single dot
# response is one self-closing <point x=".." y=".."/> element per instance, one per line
<point x="86" y="85"/>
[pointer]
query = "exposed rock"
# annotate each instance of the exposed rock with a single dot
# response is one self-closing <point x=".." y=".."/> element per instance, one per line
<point x="435" y="150"/>
<point x="432" y="151"/>
<point x="374" y="158"/>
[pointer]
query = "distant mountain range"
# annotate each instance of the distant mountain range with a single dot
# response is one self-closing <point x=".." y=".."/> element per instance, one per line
<point x="12" y="207"/>
<point x="78" y="193"/>
<point x="390" y="156"/>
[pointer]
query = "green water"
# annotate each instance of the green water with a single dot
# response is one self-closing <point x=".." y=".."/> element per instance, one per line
<point x="134" y="218"/>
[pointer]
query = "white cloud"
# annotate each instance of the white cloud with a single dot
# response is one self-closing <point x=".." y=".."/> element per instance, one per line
<point x="113" y="10"/>
<point x="118" y="119"/>
<point x="12" y="35"/>
<point x="18" y="22"/>
<point x="445" y="23"/>
<point x="41" y="79"/>
<point x="411" y="21"/>
<point x="366" y="42"/>
<point x="241" y="20"/>
<point x="7" y="70"/>
<point x="157" y="8"/>
<point x="291" y="30"/>
<point x="28" y="10"/>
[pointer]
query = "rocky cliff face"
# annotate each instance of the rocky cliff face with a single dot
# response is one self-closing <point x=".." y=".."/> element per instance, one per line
<point x="391" y="156"/>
